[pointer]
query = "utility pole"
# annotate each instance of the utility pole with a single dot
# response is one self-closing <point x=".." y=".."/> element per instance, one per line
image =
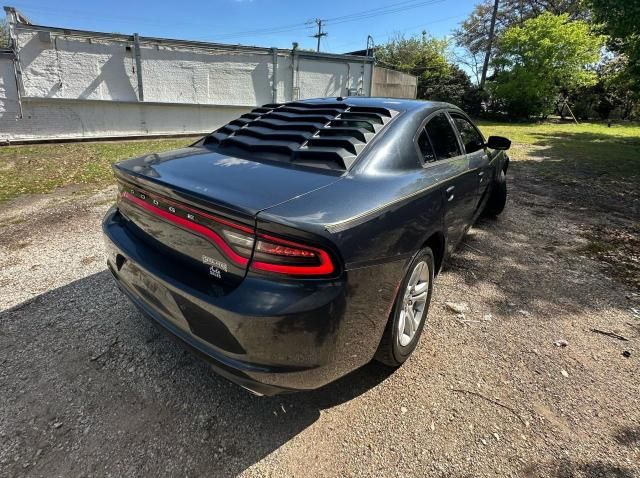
<point x="320" y="33"/>
<point x="487" y="55"/>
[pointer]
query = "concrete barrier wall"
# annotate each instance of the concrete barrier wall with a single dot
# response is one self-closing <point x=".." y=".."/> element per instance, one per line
<point x="79" y="84"/>
<point x="393" y="84"/>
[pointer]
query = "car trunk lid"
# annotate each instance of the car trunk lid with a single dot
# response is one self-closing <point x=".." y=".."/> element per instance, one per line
<point x="199" y="206"/>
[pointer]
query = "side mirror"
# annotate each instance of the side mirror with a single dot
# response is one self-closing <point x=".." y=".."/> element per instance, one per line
<point x="498" y="142"/>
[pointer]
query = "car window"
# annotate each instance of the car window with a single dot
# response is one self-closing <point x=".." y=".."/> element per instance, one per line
<point x="425" y="147"/>
<point x="443" y="137"/>
<point x="471" y="138"/>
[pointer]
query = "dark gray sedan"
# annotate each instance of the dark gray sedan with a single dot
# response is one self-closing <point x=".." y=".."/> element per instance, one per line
<point x="301" y="240"/>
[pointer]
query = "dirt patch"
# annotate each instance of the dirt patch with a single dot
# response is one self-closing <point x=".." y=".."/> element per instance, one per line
<point x="619" y="247"/>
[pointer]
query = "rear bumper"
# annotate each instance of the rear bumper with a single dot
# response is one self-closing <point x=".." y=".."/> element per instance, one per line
<point x="268" y="336"/>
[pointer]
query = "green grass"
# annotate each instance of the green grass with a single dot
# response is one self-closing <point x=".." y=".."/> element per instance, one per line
<point x="41" y="168"/>
<point x="579" y="150"/>
<point x="566" y="150"/>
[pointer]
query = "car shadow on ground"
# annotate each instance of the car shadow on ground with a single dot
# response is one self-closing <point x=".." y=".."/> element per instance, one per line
<point x="569" y="469"/>
<point x="597" y="170"/>
<point x="102" y="390"/>
<point x="533" y="258"/>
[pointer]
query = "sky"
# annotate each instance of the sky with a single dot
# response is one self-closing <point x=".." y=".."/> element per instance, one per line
<point x="268" y="23"/>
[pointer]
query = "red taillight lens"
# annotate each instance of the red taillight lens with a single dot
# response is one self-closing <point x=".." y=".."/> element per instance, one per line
<point x="280" y="256"/>
<point x="285" y="251"/>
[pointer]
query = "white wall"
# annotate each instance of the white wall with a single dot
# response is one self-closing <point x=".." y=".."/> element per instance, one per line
<point x="79" y="84"/>
<point x="104" y="69"/>
<point x="69" y="119"/>
<point x="318" y="77"/>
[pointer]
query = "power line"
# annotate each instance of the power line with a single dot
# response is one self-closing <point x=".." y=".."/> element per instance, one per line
<point x="374" y="12"/>
<point x="381" y="10"/>
<point x="404" y="30"/>
<point x="391" y="8"/>
<point x="371" y="14"/>
<point x="355" y="16"/>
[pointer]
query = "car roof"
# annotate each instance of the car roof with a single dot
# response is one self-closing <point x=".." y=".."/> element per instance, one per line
<point x="397" y="104"/>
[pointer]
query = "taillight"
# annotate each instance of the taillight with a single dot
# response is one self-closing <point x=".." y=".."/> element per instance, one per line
<point x="273" y="254"/>
<point x="241" y="243"/>
<point x="276" y="255"/>
<point x="236" y="241"/>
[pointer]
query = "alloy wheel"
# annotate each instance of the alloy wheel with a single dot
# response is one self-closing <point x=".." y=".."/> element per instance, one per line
<point x="414" y="303"/>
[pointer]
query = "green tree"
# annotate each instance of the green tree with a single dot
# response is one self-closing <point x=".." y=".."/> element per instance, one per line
<point x="613" y="94"/>
<point x="428" y="59"/>
<point x="620" y="19"/>
<point x="473" y="35"/>
<point x="546" y="55"/>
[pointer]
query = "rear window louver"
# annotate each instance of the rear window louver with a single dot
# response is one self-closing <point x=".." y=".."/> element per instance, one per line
<point x="326" y="135"/>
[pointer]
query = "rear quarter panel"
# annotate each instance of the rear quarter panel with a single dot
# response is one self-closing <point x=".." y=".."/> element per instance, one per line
<point x="375" y="225"/>
<point x="373" y="219"/>
<point x="383" y="210"/>
<point x="369" y="219"/>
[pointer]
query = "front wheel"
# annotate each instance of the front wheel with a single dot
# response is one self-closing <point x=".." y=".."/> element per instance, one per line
<point x="498" y="198"/>
<point x="409" y="311"/>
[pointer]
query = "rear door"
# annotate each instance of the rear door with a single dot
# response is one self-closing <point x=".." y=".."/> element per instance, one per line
<point x="474" y="146"/>
<point x="441" y="150"/>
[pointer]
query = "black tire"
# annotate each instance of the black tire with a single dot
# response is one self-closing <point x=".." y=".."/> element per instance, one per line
<point x="390" y="352"/>
<point x="498" y="198"/>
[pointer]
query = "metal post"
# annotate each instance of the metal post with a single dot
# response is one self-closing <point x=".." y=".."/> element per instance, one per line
<point x="294" y="96"/>
<point x="136" y="47"/>
<point x="13" y="17"/>
<point x="371" y="48"/>
<point x="372" y="65"/>
<point x="274" y="78"/>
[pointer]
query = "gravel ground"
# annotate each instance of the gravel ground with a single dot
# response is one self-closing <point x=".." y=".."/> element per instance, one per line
<point x="90" y="387"/>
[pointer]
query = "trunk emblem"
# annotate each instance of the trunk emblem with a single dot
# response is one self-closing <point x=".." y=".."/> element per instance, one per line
<point x="215" y="263"/>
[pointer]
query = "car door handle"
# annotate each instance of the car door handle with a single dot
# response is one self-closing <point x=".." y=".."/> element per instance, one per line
<point x="481" y="175"/>
<point x="450" y="194"/>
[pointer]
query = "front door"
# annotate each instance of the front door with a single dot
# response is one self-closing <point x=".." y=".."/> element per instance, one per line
<point x="478" y="154"/>
<point x="458" y="183"/>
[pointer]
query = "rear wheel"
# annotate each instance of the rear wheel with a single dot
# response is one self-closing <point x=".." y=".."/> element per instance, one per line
<point x="498" y="198"/>
<point x="409" y="311"/>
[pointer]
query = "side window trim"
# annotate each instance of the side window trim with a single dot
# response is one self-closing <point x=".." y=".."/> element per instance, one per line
<point x="422" y="127"/>
<point x="450" y="114"/>
<point x="455" y="129"/>
<point x="421" y="131"/>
